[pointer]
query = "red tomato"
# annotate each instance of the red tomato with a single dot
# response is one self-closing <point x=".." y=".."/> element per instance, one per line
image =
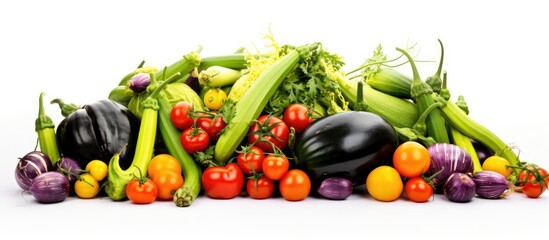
<point x="411" y="159"/>
<point x="533" y="181"/>
<point x="194" y="140"/>
<point x="295" y="185"/>
<point x="223" y="182"/>
<point x="269" y="130"/>
<point x="260" y="188"/>
<point x="250" y="159"/>
<point x="418" y="190"/>
<point x="181" y="115"/>
<point x="275" y="166"/>
<point x="168" y="182"/>
<point x="298" y="116"/>
<point x="143" y="191"/>
<point x="212" y="126"/>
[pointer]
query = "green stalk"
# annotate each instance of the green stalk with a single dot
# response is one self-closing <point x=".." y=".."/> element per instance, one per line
<point x="421" y="93"/>
<point x="435" y="81"/>
<point x="45" y="128"/>
<point x="234" y="61"/>
<point x="360" y="105"/>
<point x="183" y="66"/>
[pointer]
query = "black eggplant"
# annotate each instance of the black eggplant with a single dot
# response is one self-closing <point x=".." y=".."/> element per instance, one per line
<point x="482" y="151"/>
<point x="97" y="131"/>
<point x="348" y="144"/>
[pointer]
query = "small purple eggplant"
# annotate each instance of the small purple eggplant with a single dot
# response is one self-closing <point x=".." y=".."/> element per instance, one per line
<point x="335" y="188"/>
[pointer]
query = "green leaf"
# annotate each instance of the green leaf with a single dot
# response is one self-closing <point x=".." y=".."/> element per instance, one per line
<point x="228" y="110"/>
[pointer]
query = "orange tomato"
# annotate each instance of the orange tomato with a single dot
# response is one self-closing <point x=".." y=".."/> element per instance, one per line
<point x="162" y="162"/>
<point x="295" y="185"/>
<point x="167" y="182"/>
<point x="411" y="159"/>
<point x="275" y="166"/>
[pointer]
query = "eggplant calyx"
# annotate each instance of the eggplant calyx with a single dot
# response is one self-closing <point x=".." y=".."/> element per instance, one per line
<point x="43" y="121"/>
<point x="66" y="108"/>
<point x="409" y="134"/>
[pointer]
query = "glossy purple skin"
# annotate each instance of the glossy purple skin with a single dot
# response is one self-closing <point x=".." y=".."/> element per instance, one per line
<point x="450" y="159"/>
<point x="29" y="166"/>
<point x="490" y="185"/>
<point x="335" y="188"/>
<point x="459" y="187"/>
<point x="139" y="82"/>
<point x="50" y="187"/>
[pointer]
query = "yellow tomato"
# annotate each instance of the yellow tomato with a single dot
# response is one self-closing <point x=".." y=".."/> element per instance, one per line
<point x="86" y="186"/>
<point x="497" y="164"/>
<point x="214" y="98"/>
<point x="384" y="184"/>
<point x="98" y="169"/>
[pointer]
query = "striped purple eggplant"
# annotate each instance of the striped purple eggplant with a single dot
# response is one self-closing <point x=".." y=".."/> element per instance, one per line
<point x="50" y="187"/>
<point x="29" y="166"/>
<point x="446" y="159"/>
<point x="492" y="185"/>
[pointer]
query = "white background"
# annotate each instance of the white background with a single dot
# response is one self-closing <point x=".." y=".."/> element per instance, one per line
<point x="78" y="50"/>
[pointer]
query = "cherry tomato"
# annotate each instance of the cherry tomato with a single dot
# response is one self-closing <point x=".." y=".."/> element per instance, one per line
<point x="269" y="130"/>
<point x="418" y="190"/>
<point x="214" y="98"/>
<point x="384" y="184"/>
<point x="167" y="182"/>
<point x="223" y="182"/>
<point x="295" y="185"/>
<point x="98" y="169"/>
<point x="298" y="116"/>
<point x="142" y="191"/>
<point x="250" y="159"/>
<point x="533" y="181"/>
<point x="260" y="188"/>
<point x="275" y="166"/>
<point x="497" y="164"/>
<point x="181" y="115"/>
<point x="86" y="186"/>
<point x="411" y="159"/>
<point x="162" y="162"/>
<point x="213" y="125"/>
<point x="194" y="140"/>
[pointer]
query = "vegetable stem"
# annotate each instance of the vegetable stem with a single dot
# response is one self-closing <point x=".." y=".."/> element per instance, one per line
<point x="360" y="105"/>
<point x="44" y="127"/>
<point x="435" y="81"/>
<point x="421" y="93"/>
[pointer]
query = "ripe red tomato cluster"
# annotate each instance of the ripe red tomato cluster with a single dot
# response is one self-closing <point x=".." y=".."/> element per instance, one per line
<point x="533" y="180"/>
<point x="199" y="128"/>
<point x="262" y="161"/>
<point x="264" y="171"/>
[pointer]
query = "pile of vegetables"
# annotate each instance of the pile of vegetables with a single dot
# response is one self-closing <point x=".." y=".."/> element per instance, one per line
<point x="287" y="121"/>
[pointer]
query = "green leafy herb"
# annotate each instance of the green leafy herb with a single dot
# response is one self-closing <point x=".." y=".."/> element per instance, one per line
<point x="310" y="84"/>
